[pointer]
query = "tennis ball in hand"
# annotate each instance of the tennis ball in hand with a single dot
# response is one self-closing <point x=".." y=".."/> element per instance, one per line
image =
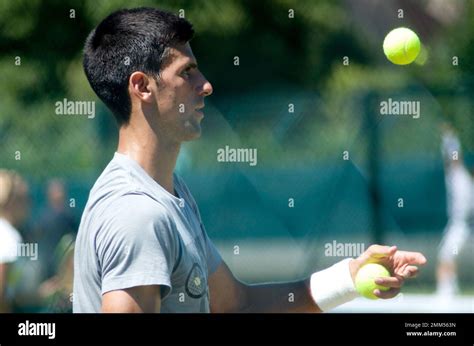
<point x="401" y="46"/>
<point x="365" y="279"/>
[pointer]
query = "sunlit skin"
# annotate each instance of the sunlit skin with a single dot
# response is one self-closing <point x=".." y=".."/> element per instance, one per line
<point x="164" y="114"/>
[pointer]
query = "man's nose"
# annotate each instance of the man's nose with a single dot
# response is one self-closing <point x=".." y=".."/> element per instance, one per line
<point x="205" y="87"/>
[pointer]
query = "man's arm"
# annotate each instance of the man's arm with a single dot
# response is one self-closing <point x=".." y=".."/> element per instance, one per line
<point x="141" y="299"/>
<point x="230" y="295"/>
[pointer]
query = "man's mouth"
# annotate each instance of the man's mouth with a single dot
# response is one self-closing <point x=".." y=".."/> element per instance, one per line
<point x="199" y="110"/>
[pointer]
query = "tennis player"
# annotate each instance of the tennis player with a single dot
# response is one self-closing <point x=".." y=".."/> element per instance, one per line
<point x="142" y="246"/>
<point x="460" y="202"/>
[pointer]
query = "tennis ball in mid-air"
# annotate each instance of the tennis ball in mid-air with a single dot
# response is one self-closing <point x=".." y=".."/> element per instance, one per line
<point x="365" y="279"/>
<point x="401" y="46"/>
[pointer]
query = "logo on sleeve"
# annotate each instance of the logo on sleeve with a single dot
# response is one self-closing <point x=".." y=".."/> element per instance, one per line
<point x="196" y="285"/>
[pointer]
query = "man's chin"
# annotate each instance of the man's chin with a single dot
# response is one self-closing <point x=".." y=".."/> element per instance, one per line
<point x="193" y="137"/>
<point x="193" y="132"/>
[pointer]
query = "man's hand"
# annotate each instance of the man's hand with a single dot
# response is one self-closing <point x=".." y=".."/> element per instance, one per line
<point x="401" y="265"/>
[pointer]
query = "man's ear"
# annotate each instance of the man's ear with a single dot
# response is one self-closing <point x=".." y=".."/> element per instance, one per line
<point x="140" y="85"/>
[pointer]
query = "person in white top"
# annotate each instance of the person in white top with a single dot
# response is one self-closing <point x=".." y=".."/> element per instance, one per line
<point x="460" y="202"/>
<point x="14" y="210"/>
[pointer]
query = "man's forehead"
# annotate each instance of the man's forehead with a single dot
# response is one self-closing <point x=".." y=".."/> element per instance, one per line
<point x="181" y="55"/>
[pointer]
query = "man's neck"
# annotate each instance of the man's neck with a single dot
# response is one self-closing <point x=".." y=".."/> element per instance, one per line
<point x="157" y="158"/>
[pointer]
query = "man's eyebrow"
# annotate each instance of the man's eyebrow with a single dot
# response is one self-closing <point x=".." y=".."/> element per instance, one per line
<point x="190" y="64"/>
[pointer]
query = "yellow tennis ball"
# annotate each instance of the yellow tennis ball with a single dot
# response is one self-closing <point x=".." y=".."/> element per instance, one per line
<point x="401" y="46"/>
<point x="365" y="279"/>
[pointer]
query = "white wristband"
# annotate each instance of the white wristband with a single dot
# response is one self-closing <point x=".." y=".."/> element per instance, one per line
<point x="333" y="286"/>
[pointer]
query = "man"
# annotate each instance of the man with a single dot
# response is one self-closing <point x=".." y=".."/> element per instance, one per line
<point x="54" y="223"/>
<point x="141" y="245"/>
<point x="460" y="200"/>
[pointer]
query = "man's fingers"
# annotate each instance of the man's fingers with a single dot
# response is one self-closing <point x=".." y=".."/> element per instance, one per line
<point x="381" y="251"/>
<point x="418" y="259"/>
<point x="410" y="272"/>
<point x="415" y="258"/>
<point x="387" y="294"/>
<point x="393" y="282"/>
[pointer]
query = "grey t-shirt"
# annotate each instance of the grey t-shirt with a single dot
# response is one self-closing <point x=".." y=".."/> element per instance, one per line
<point x="135" y="233"/>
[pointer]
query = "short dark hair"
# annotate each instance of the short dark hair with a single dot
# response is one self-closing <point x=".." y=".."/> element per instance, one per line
<point x="126" y="41"/>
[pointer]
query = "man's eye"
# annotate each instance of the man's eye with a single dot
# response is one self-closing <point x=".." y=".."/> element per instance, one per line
<point x="186" y="72"/>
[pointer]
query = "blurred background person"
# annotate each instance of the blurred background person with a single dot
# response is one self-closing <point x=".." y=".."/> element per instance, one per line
<point x="56" y="292"/>
<point x="460" y="204"/>
<point x="55" y="232"/>
<point x="55" y="221"/>
<point x="14" y="210"/>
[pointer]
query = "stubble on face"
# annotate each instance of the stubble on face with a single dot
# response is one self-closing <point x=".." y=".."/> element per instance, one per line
<point x="176" y="97"/>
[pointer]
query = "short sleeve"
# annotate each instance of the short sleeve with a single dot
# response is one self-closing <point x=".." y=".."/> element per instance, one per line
<point x="137" y="245"/>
